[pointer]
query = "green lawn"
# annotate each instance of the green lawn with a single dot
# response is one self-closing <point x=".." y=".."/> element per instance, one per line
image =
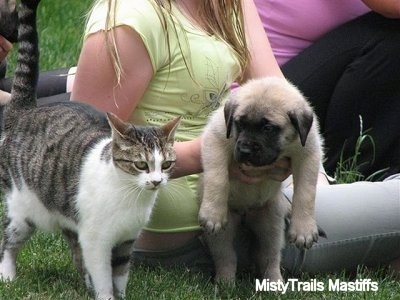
<point x="60" y="25"/>
<point x="45" y="269"/>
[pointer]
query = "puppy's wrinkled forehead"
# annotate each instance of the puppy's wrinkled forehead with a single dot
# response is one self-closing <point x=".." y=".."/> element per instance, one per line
<point x="269" y="100"/>
<point x="261" y="110"/>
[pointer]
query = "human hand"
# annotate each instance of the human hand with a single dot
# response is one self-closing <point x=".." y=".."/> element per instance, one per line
<point x="5" y="47"/>
<point x="279" y="171"/>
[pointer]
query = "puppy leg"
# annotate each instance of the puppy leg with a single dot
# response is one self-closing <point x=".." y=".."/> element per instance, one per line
<point x="268" y="225"/>
<point x="213" y="212"/>
<point x="303" y="229"/>
<point x="223" y="252"/>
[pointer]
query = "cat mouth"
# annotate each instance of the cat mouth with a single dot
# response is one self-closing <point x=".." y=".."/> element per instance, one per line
<point x="153" y="187"/>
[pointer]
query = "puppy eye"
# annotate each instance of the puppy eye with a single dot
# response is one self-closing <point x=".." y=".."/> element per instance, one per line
<point x="141" y="165"/>
<point x="239" y="125"/>
<point x="268" y="128"/>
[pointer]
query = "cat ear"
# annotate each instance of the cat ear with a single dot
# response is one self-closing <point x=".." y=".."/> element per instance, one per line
<point x="117" y="124"/>
<point x="170" y="128"/>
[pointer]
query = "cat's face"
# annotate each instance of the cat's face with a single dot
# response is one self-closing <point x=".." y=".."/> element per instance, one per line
<point x="151" y="164"/>
<point x="155" y="170"/>
<point x="145" y="152"/>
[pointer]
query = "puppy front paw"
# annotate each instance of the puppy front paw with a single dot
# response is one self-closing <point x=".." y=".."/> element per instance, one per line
<point x="212" y="220"/>
<point x="303" y="232"/>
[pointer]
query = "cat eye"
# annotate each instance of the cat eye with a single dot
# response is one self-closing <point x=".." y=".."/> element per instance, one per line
<point x="141" y="165"/>
<point x="166" y="165"/>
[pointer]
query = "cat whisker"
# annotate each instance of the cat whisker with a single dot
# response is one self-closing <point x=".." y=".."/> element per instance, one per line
<point x="174" y="189"/>
<point x="130" y="191"/>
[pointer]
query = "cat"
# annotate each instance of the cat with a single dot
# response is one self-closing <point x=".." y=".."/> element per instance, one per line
<point x="68" y="167"/>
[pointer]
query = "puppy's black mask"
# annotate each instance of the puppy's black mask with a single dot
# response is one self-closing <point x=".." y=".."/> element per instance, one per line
<point x="258" y="139"/>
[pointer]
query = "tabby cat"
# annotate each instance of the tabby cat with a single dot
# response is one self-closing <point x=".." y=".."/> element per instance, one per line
<point x="70" y="167"/>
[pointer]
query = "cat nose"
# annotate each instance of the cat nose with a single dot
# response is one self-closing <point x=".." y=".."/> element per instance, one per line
<point x="156" y="182"/>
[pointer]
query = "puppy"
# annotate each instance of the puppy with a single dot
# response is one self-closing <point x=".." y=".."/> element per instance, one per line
<point x="264" y="120"/>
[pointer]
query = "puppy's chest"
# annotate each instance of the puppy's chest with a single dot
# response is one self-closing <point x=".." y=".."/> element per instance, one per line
<point x="245" y="197"/>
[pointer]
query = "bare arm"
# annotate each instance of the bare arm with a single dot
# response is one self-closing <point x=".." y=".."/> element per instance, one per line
<point x="387" y="8"/>
<point x="95" y="83"/>
<point x="5" y="47"/>
<point x="263" y="62"/>
<point x="188" y="158"/>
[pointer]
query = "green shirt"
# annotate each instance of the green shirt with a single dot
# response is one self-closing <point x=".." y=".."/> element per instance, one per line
<point x="191" y="78"/>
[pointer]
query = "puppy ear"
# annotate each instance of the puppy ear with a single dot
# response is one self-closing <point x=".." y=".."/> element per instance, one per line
<point x="302" y="122"/>
<point x="229" y="110"/>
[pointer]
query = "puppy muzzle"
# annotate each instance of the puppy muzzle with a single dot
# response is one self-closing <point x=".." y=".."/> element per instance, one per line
<point x="253" y="153"/>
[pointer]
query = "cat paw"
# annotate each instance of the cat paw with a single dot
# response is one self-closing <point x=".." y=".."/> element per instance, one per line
<point x="88" y="282"/>
<point x="213" y="221"/>
<point x="303" y="232"/>
<point x="7" y="271"/>
<point x="104" y="297"/>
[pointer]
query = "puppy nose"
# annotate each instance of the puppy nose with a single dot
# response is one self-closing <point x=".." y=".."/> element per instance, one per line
<point x="248" y="147"/>
<point x="245" y="149"/>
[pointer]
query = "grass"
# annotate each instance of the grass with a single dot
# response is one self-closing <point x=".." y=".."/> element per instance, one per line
<point x="45" y="270"/>
<point x="348" y="169"/>
<point x="60" y="25"/>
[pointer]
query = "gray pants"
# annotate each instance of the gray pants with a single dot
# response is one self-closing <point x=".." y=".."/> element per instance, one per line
<point x="362" y="223"/>
<point x="361" y="220"/>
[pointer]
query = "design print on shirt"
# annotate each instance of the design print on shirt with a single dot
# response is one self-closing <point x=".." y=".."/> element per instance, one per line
<point x="213" y="94"/>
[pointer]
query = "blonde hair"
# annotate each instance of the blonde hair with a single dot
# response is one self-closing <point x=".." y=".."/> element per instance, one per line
<point x="222" y="18"/>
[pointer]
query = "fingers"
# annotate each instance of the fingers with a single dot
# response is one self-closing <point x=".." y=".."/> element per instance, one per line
<point x="5" y="47"/>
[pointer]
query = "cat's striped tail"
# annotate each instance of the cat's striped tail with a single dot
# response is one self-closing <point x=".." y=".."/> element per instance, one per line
<point x="23" y="92"/>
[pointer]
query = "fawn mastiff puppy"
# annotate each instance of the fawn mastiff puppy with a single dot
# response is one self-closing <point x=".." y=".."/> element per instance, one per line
<point x="263" y="121"/>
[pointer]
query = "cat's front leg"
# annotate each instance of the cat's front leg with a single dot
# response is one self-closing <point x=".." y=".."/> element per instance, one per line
<point x="120" y="262"/>
<point x="8" y="266"/>
<point x="76" y="252"/>
<point x="97" y="261"/>
<point x="15" y="233"/>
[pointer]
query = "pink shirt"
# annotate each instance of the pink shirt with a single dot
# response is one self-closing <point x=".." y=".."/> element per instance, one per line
<point x="293" y="25"/>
